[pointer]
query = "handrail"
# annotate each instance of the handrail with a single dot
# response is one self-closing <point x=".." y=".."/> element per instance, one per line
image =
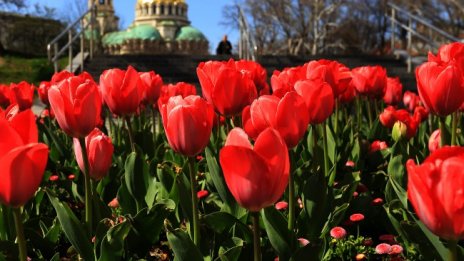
<point x="247" y="45"/>
<point x="411" y="31"/>
<point x="55" y="53"/>
<point x="425" y="22"/>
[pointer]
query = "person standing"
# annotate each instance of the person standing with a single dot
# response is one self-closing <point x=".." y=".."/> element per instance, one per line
<point x="224" y="47"/>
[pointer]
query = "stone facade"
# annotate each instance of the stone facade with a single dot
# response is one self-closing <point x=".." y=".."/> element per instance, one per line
<point x="26" y="34"/>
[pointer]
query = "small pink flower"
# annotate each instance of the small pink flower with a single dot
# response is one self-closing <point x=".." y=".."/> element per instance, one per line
<point x="202" y="193"/>
<point x="338" y="233"/>
<point x="114" y="203"/>
<point x="54" y="178"/>
<point x="71" y="177"/>
<point x="303" y="241"/>
<point x="199" y="157"/>
<point x="377" y="202"/>
<point x="281" y="205"/>
<point x="300" y="203"/>
<point x="382" y="249"/>
<point x="357" y="217"/>
<point x="396" y="250"/>
<point x="355" y="194"/>
<point x="350" y="163"/>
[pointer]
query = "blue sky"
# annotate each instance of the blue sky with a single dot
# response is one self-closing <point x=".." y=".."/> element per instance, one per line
<point x="205" y="15"/>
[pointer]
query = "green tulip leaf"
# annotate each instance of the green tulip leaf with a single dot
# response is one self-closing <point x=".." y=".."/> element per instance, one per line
<point x="183" y="247"/>
<point x="134" y="176"/>
<point x="216" y="176"/>
<point x="230" y="250"/>
<point x="112" y="245"/>
<point x="72" y="228"/>
<point x="222" y="221"/>
<point x="282" y="240"/>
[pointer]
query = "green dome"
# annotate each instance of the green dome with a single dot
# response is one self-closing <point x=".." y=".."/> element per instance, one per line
<point x="144" y="32"/>
<point x="190" y="33"/>
<point x="114" y="38"/>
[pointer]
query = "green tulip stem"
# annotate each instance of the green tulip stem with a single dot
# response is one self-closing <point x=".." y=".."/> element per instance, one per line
<point x="196" y="214"/>
<point x="369" y="112"/>
<point x="326" y="150"/>
<point x="153" y="116"/>
<point x="442" y="131"/>
<point x="131" y="135"/>
<point x="454" y="128"/>
<point x="359" y="111"/>
<point x="256" y="236"/>
<point x="20" y="234"/>
<point x="87" y="185"/>
<point x="337" y="105"/>
<point x="453" y="250"/>
<point x="291" y="193"/>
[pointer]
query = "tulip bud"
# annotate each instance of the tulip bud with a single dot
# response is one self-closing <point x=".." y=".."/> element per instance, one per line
<point x="399" y="131"/>
<point x="99" y="151"/>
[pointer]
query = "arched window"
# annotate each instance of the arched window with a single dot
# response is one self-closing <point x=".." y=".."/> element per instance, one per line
<point x="147" y="9"/>
<point x="162" y="9"/>
<point x="169" y="9"/>
<point x="102" y="2"/>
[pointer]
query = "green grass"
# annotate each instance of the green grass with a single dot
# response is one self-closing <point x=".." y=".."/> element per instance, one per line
<point x="15" y="68"/>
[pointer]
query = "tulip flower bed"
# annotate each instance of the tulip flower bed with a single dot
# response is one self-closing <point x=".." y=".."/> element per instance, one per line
<point x="323" y="162"/>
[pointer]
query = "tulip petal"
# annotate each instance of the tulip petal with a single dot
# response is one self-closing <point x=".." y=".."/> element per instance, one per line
<point x="247" y="181"/>
<point x="238" y="137"/>
<point x="22" y="171"/>
<point x="12" y="140"/>
<point x="25" y="126"/>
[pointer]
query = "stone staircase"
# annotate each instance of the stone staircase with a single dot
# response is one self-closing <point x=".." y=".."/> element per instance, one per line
<point x="175" y="68"/>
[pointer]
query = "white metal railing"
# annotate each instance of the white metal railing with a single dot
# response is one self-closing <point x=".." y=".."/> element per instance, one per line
<point x="73" y="34"/>
<point x="411" y="31"/>
<point x="247" y="45"/>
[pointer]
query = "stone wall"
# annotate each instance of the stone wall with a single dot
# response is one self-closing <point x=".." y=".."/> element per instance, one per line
<point x="27" y="34"/>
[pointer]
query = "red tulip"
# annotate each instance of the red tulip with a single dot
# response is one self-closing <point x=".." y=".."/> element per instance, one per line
<point x="4" y="95"/>
<point x="256" y="176"/>
<point x="319" y="99"/>
<point x="257" y="73"/>
<point x="393" y="91"/>
<point x="283" y="82"/>
<point x="390" y="116"/>
<point x="348" y="95"/>
<point x="43" y="92"/>
<point x="289" y="116"/>
<point x="60" y="76"/>
<point x="99" y="151"/>
<point x="441" y="87"/>
<point x="22" y="94"/>
<point x="334" y="73"/>
<point x="434" y="141"/>
<point x="370" y="81"/>
<point x="411" y="100"/>
<point x="22" y="159"/>
<point x="435" y="191"/>
<point x="152" y="83"/>
<point x="122" y="90"/>
<point x="453" y="52"/>
<point x="377" y="145"/>
<point x="181" y="88"/>
<point x="227" y="88"/>
<point x="188" y="123"/>
<point x="76" y="104"/>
